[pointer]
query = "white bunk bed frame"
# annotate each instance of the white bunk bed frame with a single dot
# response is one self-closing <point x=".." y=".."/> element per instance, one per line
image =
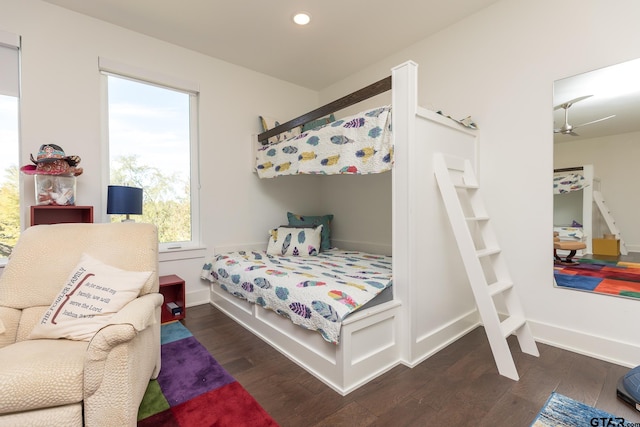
<point x="429" y="309"/>
<point x="587" y="203"/>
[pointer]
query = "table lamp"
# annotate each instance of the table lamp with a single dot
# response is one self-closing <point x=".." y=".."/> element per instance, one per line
<point x="122" y="200"/>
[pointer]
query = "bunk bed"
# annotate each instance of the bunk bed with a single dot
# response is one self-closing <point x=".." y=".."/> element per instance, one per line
<point x="423" y="302"/>
<point x="573" y="204"/>
<point x="358" y="144"/>
<point x="315" y="292"/>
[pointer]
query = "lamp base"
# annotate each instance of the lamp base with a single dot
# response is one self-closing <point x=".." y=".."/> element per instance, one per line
<point x="127" y="219"/>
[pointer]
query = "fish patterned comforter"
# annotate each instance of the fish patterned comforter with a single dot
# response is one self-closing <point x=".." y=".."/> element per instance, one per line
<point x="568" y="183"/>
<point x="315" y="292"/>
<point x="359" y="144"/>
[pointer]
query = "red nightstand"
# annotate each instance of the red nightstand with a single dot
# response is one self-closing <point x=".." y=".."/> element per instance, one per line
<point x="174" y="307"/>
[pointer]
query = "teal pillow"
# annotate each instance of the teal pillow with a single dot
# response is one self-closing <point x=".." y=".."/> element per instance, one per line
<point x="318" y="122"/>
<point x="325" y="220"/>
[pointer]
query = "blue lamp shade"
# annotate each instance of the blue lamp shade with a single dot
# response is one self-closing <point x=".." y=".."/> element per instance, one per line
<point x="124" y="200"/>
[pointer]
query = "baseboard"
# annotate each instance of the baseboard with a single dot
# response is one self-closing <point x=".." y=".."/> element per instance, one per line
<point x="609" y="350"/>
<point x="432" y="342"/>
<point x="369" y="247"/>
<point x="348" y="245"/>
<point x="198" y="297"/>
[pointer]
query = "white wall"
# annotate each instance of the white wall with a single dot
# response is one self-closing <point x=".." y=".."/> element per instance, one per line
<point x="361" y="205"/>
<point x="499" y="67"/>
<point x="61" y="104"/>
<point x="615" y="161"/>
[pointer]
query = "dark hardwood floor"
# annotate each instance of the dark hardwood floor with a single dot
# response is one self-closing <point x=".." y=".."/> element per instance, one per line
<point x="459" y="386"/>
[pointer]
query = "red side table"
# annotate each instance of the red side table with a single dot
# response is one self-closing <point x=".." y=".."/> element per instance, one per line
<point x="174" y="307"/>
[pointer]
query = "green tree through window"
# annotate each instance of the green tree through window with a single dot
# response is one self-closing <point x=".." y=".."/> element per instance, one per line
<point x="9" y="175"/>
<point x="150" y="147"/>
<point x="170" y="211"/>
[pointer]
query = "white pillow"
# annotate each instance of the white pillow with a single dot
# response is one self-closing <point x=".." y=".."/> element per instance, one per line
<point x="291" y="241"/>
<point x="94" y="292"/>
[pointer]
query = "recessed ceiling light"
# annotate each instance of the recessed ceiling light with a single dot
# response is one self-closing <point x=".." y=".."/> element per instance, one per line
<point x="301" y="18"/>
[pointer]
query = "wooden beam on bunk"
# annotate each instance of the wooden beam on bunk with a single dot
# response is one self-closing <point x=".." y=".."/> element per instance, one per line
<point x="370" y="91"/>
<point x="574" y="169"/>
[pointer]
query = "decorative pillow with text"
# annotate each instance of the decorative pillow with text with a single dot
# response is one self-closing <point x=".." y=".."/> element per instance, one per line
<point x="94" y="292"/>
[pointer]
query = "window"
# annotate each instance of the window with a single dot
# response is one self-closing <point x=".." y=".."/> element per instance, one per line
<point x="9" y="144"/>
<point x="152" y="144"/>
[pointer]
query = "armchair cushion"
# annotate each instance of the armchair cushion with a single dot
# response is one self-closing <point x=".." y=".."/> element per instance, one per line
<point x="40" y="374"/>
<point x="10" y="318"/>
<point x="72" y="382"/>
<point x="93" y="294"/>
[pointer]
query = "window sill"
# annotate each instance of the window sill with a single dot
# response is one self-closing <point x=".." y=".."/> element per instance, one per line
<point x="177" y="254"/>
<point x="180" y="253"/>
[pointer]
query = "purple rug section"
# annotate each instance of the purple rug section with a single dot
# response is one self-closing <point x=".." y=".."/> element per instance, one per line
<point x="188" y="370"/>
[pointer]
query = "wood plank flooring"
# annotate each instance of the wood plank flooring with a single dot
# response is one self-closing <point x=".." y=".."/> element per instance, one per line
<point x="458" y="386"/>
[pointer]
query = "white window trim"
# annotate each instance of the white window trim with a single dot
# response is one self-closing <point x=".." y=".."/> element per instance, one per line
<point x="12" y="41"/>
<point x="119" y="69"/>
<point x="109" y="67"/>
<point x="10" y="47"/>
<point x="9" y="39"/>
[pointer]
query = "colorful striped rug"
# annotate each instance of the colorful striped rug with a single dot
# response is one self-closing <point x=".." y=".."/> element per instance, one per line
<point x="561" y="410"/>
<point x="604" y="277"/>
<point x="194" y="390"/>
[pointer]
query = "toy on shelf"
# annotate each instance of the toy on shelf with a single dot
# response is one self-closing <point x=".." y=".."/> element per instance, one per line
<point x="55" y="175"/>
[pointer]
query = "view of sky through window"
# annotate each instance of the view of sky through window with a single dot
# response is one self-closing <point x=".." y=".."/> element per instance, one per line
<point x="151" y="123"/>
<point x="149" y="147"/>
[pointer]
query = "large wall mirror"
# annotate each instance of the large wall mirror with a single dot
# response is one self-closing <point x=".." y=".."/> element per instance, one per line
<point x="596" y="172"/>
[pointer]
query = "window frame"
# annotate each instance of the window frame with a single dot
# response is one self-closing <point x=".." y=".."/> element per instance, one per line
<point x="13" y="88"/>
<point x="112" y="68"/>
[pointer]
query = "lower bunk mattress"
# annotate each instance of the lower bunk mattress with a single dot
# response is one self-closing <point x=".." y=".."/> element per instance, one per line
<point x="315" y="292"/>
<point x="569" y="233"/>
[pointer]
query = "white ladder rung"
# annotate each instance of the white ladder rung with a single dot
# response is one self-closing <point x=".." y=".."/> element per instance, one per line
<point x="472" y="230"/>
<point x="499" y="287"/>
<point x="511" y="324"/>
<point x="610" y="221"/>
<point x="466" y="186"/>
<point x="477" y="218"/>
<point x="487" y="252"/>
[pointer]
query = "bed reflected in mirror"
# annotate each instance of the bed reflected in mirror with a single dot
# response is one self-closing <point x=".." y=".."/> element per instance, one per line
<point x="596" y="153"/>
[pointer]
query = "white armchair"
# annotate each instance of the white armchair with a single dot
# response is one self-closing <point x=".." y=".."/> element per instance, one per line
<point x="99" y="382"/>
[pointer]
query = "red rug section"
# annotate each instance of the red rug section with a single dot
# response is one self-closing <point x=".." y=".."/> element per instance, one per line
<point x="194" y="390"/>
<point x="622" y="279"/>
<point x="230" y="405"/>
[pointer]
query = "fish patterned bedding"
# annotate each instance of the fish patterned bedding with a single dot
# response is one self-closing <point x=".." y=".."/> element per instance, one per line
<point x="569" y="234"/>
<point x="359" y="144"/>
<point x="568" y="182"/>
<point x="315" y="292"/>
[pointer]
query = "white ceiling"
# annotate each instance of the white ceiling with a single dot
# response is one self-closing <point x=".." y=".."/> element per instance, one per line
<point x="615" y="91"/>
<point x="344" y="36"/>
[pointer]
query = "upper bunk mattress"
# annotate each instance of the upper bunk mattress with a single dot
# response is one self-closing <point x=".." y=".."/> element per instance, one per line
<point x="315" y="292"/>
<point x="566" y="183"/>
<point x="359" y="144"/>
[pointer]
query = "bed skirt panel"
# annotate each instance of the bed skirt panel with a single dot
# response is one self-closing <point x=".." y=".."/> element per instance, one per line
<point x="369" y="344"/>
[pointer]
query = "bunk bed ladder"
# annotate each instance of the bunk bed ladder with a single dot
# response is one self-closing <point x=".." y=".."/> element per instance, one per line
<point x="483" y="262"/>
<point x="608" y="218"/>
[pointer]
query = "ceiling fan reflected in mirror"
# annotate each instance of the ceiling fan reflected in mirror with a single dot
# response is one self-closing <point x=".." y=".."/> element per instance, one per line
<point x="568" y="129"/>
